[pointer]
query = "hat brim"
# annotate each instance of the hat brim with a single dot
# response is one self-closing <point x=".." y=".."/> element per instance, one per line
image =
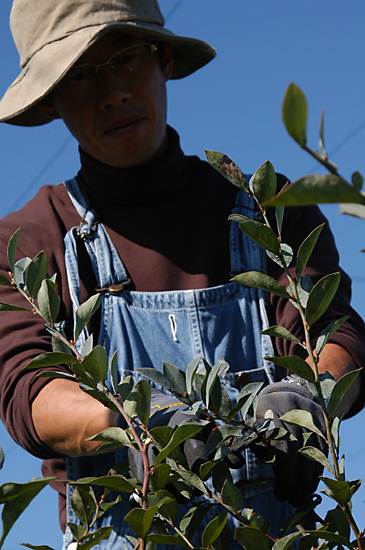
<point x="19" y="104"/>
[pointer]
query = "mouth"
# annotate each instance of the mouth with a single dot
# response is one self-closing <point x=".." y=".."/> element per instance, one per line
<point x="123" y="126"/>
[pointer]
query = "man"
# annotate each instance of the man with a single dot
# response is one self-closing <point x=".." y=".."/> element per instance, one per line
<point x="126" y="219"/>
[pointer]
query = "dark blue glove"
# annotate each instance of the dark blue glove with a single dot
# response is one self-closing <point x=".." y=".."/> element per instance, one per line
<point x="296" y="476"/>
<point x="167" y="410"/>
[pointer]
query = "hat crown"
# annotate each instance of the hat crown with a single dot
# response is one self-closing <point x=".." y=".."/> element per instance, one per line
<point x="35" y="24"/>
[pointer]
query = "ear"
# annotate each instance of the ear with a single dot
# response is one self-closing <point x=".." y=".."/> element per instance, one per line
<point x="168" y="61"/>
<point x="46" y="105"/>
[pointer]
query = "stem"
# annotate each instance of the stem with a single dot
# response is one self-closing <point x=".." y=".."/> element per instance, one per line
<point x="177" y="530"/>
<point x="323" y="160"/>
<point x="353" y="524"/>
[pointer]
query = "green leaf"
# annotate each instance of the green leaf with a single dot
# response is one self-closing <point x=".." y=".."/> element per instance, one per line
<point x="232" y="496"/>
<point x="315" y="454"/>
<point x="139" y="401"/>
<point x="92" y="539"/>
<point x="301" y="418"/>
<point x="36" y="272"/>
<point x="143" y="390"/>
<point x="12" y="244"/>
<point x="214" y="529"/>
<point x="315" y="189"/>
<point x="50" y="359"/>
<point x="37" y="547"/>
<point x="87" y="347"/>
<point x="260" y="280"/>
<point x="155" y="375"/>
<point x="9" y="307"/>
<point x="16" y="497"/>
<point x="84" y="314"/>
<point x="279" y="215"/>
<point x="113" y="369"/>
<point x="294" y="364"/>
<point x="321" y="296"/>
<point x="357" y="180"/>
<point x="284" y="543"/>
<point x="160" y="476"/>
<point x="333" y="537"/>
<point x="175" y="377"/>
<point x="48" y="301"/>
<point x="5" y="281"/>
<point x="192" y="481"/>
<point x="263" y="183"/>
<point x="190" y="373"/>
<point x="295" y="114"/>
<point x="326" y="381"/>
<point x="125" y="387"/>
<point x="168" y="540"/>
<point x="327" y="333"/>
<point x="357" y="210"/>
<point x="340" y="491"/>
<point x="227" y="168"/>
<point x="77" y="530"/>
<point x="262" y="235"/>
<point x="321" y="135"/>
<point x="114" y="438"/>
<point x="339" y="390"/>
<point x="167" y="504"/>
<point x="20" y="268"/>
<point x="83" y="505"/>
<point x="277" y="331"/>
<point x="306" y="249"/>
<point x="104" y="506"/>
<point x="337" y="522"/>
<point x="335" y="432"/>
<point x="115" y="482"/>
<point x="247" y="399"/>
<point x="213" y="390"/>
<point x="286" y="253"/>
<point x="181" y="433"/>
<point x="141" y="520"/>
<point x="96" y="365"/>
<point x="219" y="435"/>
<point x="251" y="538"/>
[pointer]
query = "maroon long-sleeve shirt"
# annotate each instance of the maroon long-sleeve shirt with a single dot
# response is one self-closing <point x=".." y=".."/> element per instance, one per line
<point x="168" y="221"/>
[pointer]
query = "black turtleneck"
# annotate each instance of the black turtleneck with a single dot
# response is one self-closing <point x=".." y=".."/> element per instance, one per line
<point x="167" y="218"/>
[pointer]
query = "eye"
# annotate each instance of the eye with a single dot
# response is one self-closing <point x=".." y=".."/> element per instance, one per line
<point x="80" y="73"/>
<point x="127" y="58"/>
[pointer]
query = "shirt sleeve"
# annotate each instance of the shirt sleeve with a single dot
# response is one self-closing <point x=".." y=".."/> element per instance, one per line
<point x="298" y="223"/>
<point x="22" y="333"/>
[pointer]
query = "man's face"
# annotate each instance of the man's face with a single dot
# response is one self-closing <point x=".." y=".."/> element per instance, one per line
<point x="120" y="119"/>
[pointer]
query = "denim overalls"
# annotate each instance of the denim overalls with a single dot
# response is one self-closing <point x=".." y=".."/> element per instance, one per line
<point x="176" y="326"/>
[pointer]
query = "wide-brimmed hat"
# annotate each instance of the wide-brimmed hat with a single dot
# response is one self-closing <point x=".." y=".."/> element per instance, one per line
<point x="52" y="34"/>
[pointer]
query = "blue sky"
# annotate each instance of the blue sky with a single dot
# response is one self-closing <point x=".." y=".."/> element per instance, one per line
<point x="232" y="105"/>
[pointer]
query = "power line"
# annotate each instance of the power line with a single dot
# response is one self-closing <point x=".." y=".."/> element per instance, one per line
<point x="174" y="9"/>
<point x="344" y="141"/>
<point x="40" y="174"/>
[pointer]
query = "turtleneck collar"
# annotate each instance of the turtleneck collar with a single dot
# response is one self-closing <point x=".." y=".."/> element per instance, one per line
<point x="147" y="183"/>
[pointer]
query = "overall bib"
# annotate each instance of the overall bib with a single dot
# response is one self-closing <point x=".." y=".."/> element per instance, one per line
<point x="147" y="328"/>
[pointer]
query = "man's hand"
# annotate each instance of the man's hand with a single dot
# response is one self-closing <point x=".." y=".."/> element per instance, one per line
<point x="296" y="477"/>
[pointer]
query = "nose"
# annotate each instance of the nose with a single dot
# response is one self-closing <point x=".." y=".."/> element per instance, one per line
<point x="113" y="89"/>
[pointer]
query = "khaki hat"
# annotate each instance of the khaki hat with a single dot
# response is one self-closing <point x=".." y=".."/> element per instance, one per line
<point x="52" y="34"/>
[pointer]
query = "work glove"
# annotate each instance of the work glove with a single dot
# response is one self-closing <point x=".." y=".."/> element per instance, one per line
<point x="296" y="476"/>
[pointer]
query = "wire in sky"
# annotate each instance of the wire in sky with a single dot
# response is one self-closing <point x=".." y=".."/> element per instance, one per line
<point x="174" y="9"/>
<point x="344" y="141"/>
<point x="40" y="174"/>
